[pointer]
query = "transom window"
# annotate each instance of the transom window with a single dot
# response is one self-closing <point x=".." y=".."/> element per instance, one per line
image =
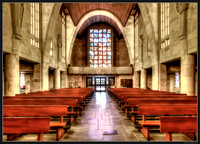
<point x="34" y="8"/>
<point x="164" y="25"/>
<point x="100" y="48"/>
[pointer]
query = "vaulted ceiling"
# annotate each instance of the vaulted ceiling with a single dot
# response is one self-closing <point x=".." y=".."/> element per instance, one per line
<point x="99" y="18"/>
<point x="120" y="10"/>
<point x="78" y="10"/>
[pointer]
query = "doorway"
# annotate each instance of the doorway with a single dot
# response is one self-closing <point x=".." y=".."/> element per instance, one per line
<point x="100" y="84"/>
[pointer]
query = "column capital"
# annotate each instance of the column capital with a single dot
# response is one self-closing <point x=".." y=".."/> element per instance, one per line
<point x="180" y="7"/>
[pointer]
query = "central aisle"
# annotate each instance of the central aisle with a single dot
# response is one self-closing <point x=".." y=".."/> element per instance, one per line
<point x="100" y="116"/>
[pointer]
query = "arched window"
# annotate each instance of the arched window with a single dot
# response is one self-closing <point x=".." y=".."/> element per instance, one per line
<point x="164" y="25"/>
<point x="34" y="10"/>
<point x="100" y="47"/>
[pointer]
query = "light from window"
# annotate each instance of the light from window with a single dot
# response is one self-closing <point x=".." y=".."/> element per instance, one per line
<point x="63" y="33"/>
<point x="176" y="79"/>
<point x="51" y="48"/>
<point x="164" y="25"/>
<point x="22" y="80"/>
<point x="100" y="48"/>
<point x="34" y="8"/>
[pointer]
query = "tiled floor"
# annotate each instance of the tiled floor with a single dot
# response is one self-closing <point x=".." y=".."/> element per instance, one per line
<point x="100" y="115"/>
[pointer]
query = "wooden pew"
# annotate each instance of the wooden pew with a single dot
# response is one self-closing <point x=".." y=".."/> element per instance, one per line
<point x="26" y="125"/>
<point x="161" y="110"/>
<point x="79" y="99"/>
<point x="72" y="104"/>
<point x="153" y="97"/>
<point x="39" y="111"/>
<point x="170" y="124"/>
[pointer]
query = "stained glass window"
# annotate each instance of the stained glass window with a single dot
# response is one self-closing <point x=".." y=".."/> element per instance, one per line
<point x="22" y="80"/>
<point x="100" y="48"/>
<point x="176" y="79"/>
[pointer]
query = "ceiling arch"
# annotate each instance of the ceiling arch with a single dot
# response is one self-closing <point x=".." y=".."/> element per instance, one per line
<point x="121" y="10"/>
<point x="74" y="32"/>
<point x="99" y="18"/>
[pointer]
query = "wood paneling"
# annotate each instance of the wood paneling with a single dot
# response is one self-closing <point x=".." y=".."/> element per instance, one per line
<point x="99" y="18"/>
<point x="78" y="10"/>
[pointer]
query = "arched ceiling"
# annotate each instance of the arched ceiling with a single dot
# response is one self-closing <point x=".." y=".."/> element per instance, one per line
<point x="99" y="18"/>
<point x="78" y="10"/>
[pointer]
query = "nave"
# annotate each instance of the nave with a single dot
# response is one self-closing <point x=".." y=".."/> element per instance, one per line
<point x="101" y="116"/>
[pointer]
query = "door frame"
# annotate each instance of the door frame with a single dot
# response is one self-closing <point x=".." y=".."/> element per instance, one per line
<point x="101" y="85"/>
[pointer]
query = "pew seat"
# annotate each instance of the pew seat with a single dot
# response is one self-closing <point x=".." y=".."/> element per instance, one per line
<point x="26" y="125"/>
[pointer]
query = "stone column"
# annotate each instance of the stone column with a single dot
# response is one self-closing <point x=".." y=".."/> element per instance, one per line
<point x="56" y="78"/>
<point x="11" y="75"/>
<point x="136" y="79"/>
<point x="63" y="79"/>
<point x="163" y="78"/>
<point x="155" y="77"/>
<point x="187" y="61"/>
<point x="143" y="79"/>
<point x="36" y="78"/>
<point x="59" y="45"/>
<point x="171" y="82"/>
<point x="12" y="60"/>
<point x="187" y="74"/>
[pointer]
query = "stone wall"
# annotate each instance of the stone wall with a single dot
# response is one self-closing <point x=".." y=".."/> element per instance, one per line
<point x="192" y="28"/>
<point x="7" y="28"/>
<point x="119" y="77"/>
<point x="79" y="53"/>
<point x="79" y="79"/>
<point x="120" y="53"/>
<point x="173" y="51"/>
<point x="51" y="81"/>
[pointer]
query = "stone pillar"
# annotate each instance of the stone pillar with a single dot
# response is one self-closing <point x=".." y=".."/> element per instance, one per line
<point x="59" y="45"/>
<point x="136" y="81"/>
<point x="187" y="74"/>
<point x="66" y="80"/>
<point x="187" y="61"/>
<point x="11" y="75"/>
<point x="155" y="77"/>
<point x="12" y="60"/>
<point x="63" y="79"/>
<point x="36" y="78"/>
<point x="56" y="78"/>
<point x="143" y="79"/>
<point x="171" y="82"/>
<point x="163" y="78"/>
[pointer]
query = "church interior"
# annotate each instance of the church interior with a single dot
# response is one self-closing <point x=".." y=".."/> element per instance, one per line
<point x="99" y="72"/>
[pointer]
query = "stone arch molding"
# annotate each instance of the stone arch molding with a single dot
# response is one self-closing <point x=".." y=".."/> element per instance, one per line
<point x="143" y="9"/>
<point x="89" y="15"/>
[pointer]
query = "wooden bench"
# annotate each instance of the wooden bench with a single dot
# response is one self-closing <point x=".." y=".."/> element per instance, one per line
<point x="133" y="103"/>
<point x="25" y="125"/>
<point x="161" y="110"/>
<point x="72" y="104"/>
<point x="80" y="101"/>
<point x="170" y="124"/>
<point x="39" y="111"/>
<point x="154" y="97"/>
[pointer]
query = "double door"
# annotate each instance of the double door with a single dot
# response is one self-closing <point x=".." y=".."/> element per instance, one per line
<point x="100" y="84"/>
